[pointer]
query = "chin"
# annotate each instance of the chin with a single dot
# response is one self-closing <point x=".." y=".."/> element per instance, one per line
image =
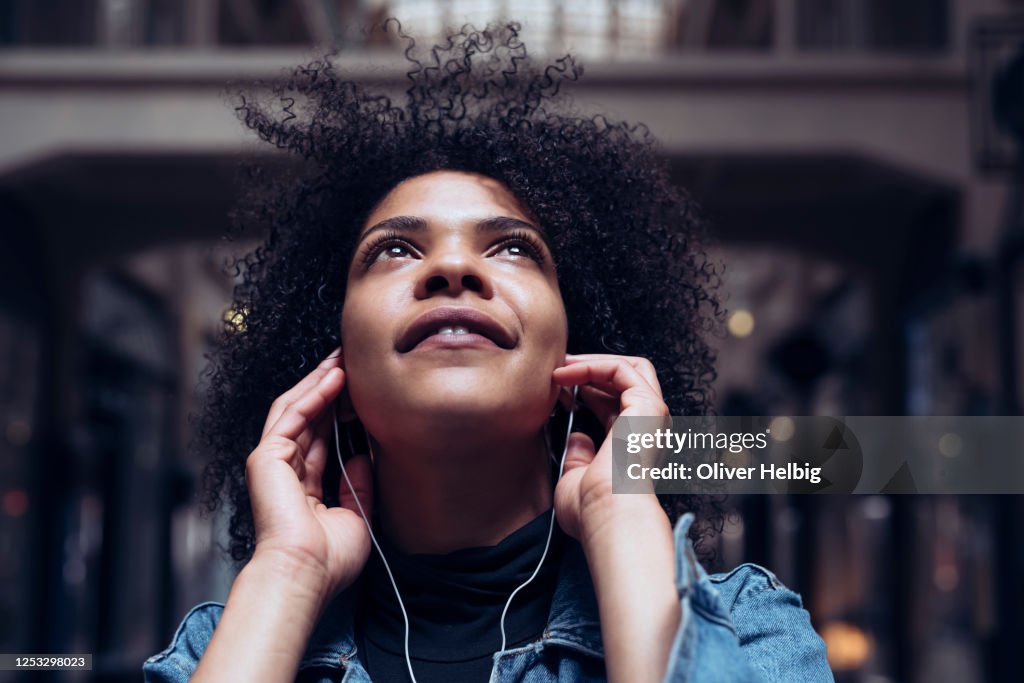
<point x="466" y="397"/>
<point x="480" y="401"/>
<point x="469" y="405"/>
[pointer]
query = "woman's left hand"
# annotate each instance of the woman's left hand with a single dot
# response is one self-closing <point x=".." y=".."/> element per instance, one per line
<point x="610" y="386"/>
<point x="627" y="538"/>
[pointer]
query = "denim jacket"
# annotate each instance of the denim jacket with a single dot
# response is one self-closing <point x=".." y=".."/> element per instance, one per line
<point x="743" y="625"/>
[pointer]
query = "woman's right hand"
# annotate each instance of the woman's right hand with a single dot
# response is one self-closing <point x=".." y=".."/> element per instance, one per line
<point x="295" y="531"/>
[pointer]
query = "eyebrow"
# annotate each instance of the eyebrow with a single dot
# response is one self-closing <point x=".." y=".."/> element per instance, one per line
<point x="417" y="224"/>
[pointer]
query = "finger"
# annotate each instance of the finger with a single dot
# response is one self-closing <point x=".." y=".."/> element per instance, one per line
<point x="316" y="458"/>
<point x="301" y="414"/>
<point x="580" y="452"/>
<point x="567" y="509"/>
<point x="636" y="396"/>
<point x="642" y="365"/>
<point x="270" y="451"/>
<point x="360" y="473"/>
<point x="281" y="403"/>
<point x="318" y="422"/>
<point x="302" y="420"/>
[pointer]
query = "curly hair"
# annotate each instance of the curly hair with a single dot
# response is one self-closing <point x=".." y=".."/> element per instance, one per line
<point x="626" y="241"/>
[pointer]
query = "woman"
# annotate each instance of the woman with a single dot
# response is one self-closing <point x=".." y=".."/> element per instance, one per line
<point x="465" y="242"/>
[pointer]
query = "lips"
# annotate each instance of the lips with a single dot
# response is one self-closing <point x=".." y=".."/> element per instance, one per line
<point x="471" y="320"/>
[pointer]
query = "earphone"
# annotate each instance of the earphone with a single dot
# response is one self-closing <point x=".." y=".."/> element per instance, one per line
<point x="387" y="567"/>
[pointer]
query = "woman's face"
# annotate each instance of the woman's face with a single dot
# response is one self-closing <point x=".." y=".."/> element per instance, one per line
<point x="452" y="311"/>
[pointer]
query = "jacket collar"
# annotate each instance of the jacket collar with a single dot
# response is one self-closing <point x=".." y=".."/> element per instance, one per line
<point x="688" y="570"/>
<point x="573" y="620"/>
<point x="333" y="641"/>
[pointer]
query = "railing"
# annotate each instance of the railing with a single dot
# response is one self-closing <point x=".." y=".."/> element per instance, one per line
<point x="605" y="28"/>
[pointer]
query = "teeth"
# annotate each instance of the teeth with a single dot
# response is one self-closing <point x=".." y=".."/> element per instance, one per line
<point x="450" y="329"/>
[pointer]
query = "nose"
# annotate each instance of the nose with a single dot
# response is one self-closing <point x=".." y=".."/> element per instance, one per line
<point x="452" y="272"/>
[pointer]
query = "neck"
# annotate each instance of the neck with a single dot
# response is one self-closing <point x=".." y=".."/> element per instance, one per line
<point x="441" y="494"/>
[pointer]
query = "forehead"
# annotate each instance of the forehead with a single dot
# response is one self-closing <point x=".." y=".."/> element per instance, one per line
<point x="448" y="196"/>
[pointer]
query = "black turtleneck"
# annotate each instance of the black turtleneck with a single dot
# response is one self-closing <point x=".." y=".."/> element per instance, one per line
<point x="454" y="602"/>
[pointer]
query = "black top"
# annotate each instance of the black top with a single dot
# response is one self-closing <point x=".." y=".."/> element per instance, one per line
<point x="454" y="603"/>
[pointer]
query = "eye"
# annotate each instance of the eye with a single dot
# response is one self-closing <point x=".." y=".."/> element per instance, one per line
<point x="521" y="245"/>
<point x="386" y="247"/>
<point x="516" y="249"/>
<point x="394" y="251"/>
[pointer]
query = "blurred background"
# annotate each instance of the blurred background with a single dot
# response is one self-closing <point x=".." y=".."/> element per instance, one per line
<point x="859" y="161"/>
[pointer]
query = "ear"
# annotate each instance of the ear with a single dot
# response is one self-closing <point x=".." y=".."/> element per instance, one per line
<point x="343" y="404"/>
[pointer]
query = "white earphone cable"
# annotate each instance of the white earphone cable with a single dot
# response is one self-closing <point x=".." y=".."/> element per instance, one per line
<point x="551" y="526"/>
<point x="369" y="528"/>
<point x="387" y="567"/>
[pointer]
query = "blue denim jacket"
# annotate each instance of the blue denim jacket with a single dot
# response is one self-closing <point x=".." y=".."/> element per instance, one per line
<point x="740" y="626"/>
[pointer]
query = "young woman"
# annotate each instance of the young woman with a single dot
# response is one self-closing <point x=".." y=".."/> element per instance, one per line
<point x="443" y="284"/>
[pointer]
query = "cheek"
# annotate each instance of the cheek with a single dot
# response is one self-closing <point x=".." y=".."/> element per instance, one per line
<point x="349" y="323"/>
<point x="359" y="331"/>
<point x="550" y="330"/>
<point x="552" y="326"/>
<point x="362" y="361"/>
<point x="555" y="322"/>
<point x="366" y="313"/>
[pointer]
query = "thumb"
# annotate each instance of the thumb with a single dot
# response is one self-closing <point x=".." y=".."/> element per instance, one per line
<point x="580" y="452"/>
<point x="360" y="473"/>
